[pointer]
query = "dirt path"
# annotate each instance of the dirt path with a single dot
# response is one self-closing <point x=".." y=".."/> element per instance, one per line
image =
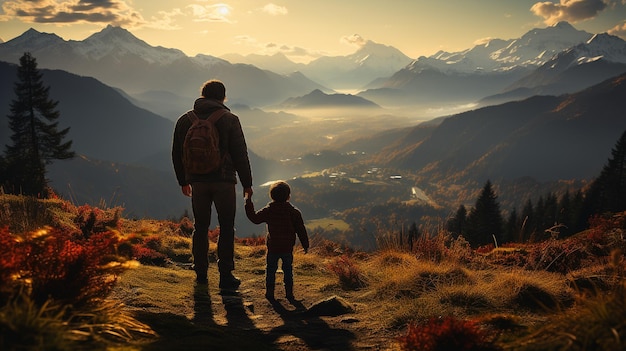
<point x="195" y="317"/>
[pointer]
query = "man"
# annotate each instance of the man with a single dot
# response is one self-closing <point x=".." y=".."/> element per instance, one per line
<point x="216" y="187"/>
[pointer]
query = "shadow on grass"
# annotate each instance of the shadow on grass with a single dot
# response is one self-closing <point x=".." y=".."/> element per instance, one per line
<point x="201" y="332"/>
<point x="176" y="332"/>
<point x="312" y="330"/>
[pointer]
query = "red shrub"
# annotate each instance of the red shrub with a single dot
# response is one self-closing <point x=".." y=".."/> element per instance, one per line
<point x="58" y="265"/>
<point x="348" y="273"/>
<point x="94" y="220"/>
<point x="12" y="257"/>
<point x="214" y="234"/>
<point x="252" y="241"/>
<point x="147" y="255"/>
<point x="432" y="248"/>
<point x="485" y="249"/>
<point x="562" y="256"/>
<point x="444" y="334"/>
<point x="185" y="226"/>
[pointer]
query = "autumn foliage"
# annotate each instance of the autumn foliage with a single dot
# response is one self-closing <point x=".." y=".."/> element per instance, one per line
<point x="447" y="333"/>
<point x="56" y="264"/>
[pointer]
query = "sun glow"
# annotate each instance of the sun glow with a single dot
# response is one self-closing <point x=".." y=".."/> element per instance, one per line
<point x="223" y="10"/>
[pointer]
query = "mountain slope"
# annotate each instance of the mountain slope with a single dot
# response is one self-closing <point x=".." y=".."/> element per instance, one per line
<point x="547" y="138"/>
<point x="125" y="151"/>
<point x="103" y="124"/>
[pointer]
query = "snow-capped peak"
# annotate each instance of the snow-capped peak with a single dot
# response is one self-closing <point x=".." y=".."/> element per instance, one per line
<point x="32" y="40"/>
<point x="605" y="46"/>
<point x="532" y="49"/>
<point x="118" y="42"/>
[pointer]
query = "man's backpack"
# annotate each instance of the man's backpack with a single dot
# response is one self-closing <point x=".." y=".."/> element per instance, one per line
<point x="201" y="148"/>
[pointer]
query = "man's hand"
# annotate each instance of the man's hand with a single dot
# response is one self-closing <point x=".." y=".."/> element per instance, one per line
<point x="247" y="193"/>
<point x="186" y="190"/>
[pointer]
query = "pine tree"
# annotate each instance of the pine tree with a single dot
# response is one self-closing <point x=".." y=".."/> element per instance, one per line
<point x="33" y="119"/>
<point x="608" y="192"/>
<point x="456" y="224"/>
<point x="485" y="219"/>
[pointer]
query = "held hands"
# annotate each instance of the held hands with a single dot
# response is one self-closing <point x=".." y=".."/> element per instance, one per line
<point x="186" y="190"/>
<point x="247" y="193"/>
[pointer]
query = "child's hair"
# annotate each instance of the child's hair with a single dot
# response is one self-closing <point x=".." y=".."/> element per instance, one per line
<point x="280" y="191"/>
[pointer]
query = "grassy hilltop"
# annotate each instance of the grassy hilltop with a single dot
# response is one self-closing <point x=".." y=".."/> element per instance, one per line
<point x="82" y="277"/>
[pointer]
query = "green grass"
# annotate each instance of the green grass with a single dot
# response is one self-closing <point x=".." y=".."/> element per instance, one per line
<point x="327" y="224"/>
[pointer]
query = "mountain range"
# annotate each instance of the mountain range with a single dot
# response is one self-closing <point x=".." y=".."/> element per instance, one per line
<point x="163" y="80"/>
<point x="119" y="59"/>
<point x="543" y="61"/>
<point x="369" y="63"/>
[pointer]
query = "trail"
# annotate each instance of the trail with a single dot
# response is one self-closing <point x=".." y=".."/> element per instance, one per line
<point x="200" y="317"/>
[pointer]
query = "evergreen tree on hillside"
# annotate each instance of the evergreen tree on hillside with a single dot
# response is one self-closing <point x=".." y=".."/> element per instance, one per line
<point x="457" y="223"/>
<point x="608" y="192"/>
<point x="485" y="219"/>
<point x="33" y="119"/>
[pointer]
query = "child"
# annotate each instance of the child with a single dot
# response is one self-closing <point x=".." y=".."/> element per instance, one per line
<point x="284" y="222"/>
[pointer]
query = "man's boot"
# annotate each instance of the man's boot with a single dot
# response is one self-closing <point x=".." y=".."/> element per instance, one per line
<point x="289" y="292"/>
<point x="228" y="281"/>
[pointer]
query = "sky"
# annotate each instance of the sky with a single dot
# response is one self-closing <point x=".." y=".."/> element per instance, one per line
<point x="304" y="30"/>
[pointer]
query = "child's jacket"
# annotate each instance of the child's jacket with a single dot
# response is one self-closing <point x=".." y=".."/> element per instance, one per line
<point x="284" y="222"/>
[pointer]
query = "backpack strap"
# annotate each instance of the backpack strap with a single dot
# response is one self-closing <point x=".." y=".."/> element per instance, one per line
<point x="192" y="116"/>
<point x="215" y="116"/>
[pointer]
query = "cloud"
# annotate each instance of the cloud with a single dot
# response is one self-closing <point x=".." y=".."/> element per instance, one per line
<point x="165" y="20"/>
<point x="354" y="39"/>
<point x="619" y="30"/>
<point x="568" y="10"/>
<point x="483" y="41"/>
<point x="116" y="12"/>
<point x="271" y="48"/>
<point x="211" y="13"/>
<point x="275" y="10"/>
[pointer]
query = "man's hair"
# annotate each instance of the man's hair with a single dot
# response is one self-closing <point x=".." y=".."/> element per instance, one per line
<point x="279" y="191"/>
<point x="214" y="89"/>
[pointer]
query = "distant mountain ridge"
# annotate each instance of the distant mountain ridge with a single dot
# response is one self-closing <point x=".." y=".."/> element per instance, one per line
<point x="496" y="71"/>
<point x="119" y="59"/>
<point x="504" y="70"/>
<point x="545" y="137"/>
<point x="497" y="55"/>
<point x="318" y="99"/>
<point x="601" y="57"/>
<point x="371" y="61"/>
